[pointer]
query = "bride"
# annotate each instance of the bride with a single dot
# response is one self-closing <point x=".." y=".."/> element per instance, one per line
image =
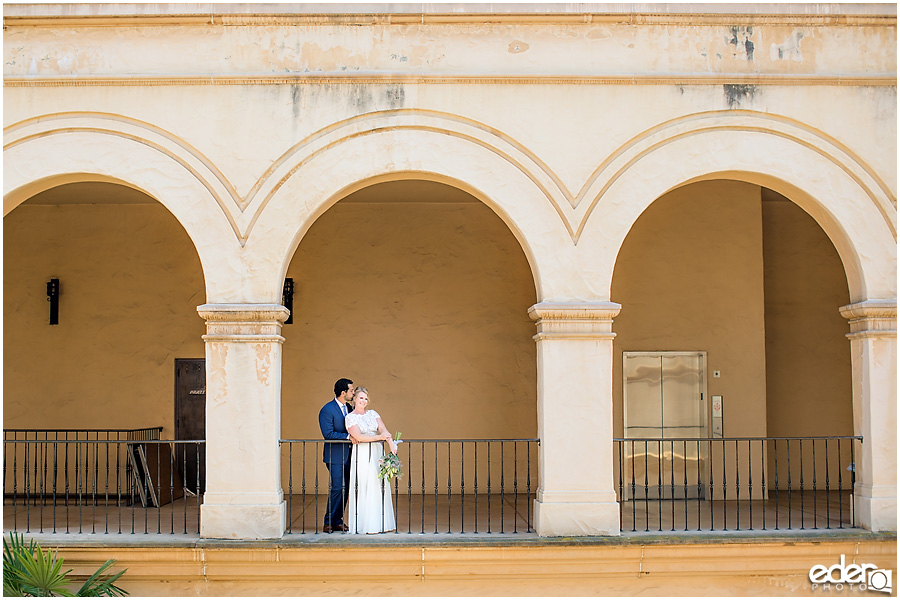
<point x="371" y="510"/>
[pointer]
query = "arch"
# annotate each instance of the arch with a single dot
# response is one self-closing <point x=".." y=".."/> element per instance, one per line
<point x="479" y="134"/>
<point x="315" y="181"/>
<point x="828" y="189"/>
<point x="129" y="277"/>
<point x="38" y="160"/>
<point x="737" y="121"/>
<point x="140" y="131"/>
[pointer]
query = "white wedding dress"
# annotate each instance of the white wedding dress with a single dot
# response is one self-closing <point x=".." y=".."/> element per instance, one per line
<point x="370" y="510"/>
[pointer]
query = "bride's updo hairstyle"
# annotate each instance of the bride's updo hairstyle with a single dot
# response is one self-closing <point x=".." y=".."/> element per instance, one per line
<point x="359" y="390"/>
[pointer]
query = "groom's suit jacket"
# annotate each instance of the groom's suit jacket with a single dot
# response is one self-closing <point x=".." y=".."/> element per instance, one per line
<point x="331" y="422"/>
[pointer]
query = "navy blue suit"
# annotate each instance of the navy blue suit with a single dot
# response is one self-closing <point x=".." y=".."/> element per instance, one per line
<point x="337" y="457"/>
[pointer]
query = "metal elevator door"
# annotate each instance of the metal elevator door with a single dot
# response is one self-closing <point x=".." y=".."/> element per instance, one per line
<point x="664" y="399"/>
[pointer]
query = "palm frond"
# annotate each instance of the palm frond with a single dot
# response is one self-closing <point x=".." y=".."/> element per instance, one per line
<point x="41" y="574"/>
<point x="99" y="584"/>
<point x="29" y="571"/>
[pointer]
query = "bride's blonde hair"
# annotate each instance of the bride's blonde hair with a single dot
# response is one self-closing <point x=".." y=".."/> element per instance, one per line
<point x="359" y="390"/>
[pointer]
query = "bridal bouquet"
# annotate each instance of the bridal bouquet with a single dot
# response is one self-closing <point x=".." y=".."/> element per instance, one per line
<point x="390" y="464"/>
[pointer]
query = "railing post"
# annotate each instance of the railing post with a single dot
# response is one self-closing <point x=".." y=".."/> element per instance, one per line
<point x="576" y="495"/>
<point x="243" y="498"/>
<point x="873" y="351"/>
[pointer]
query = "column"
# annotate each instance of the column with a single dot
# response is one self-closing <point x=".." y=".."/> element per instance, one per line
<point x="243" y="498"/>
<point x="577" y="493"/>
<point x="873" y="348"/>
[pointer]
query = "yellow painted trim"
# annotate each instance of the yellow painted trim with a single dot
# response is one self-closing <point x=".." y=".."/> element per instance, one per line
<point x="386" y="18"/>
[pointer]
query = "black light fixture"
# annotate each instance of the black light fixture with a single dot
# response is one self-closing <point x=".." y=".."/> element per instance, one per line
<point x="53" y="299"/>
<point x="287" y="298"/>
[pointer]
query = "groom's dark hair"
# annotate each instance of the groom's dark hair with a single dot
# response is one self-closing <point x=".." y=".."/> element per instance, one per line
<point x="341" y="386"/>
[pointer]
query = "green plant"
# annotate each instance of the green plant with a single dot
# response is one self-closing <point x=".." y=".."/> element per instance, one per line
<point x="29" y="571"/>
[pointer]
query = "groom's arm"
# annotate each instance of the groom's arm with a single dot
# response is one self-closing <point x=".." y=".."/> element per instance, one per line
<point x="326" y="424"/>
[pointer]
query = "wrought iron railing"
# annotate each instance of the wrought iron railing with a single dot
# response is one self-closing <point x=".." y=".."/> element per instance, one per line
<point x="102" y="485"/>
<point x="142" y="433"/>
<point x="468" y="486"/>
<point x="479" y="486"/>
<point x="736" y="484"/>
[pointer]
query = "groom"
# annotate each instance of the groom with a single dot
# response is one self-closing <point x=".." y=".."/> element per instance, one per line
<point x="337" y="455"/>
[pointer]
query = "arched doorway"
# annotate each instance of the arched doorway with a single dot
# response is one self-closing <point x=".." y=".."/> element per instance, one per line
<point x="102" y="376"/>
<point x="130" y="282"/>
<point x="743" y="277"/>
<point x="419" y="292"/>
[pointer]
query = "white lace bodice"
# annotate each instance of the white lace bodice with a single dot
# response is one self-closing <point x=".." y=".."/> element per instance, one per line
<point x="367" y="423"/>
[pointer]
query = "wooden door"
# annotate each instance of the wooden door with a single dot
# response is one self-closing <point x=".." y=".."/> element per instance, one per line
<point x="190" y="421"/>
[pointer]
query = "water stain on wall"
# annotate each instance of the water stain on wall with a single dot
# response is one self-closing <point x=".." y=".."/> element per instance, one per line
<point x="740" y="39"/>
<point x="738" y="94"/>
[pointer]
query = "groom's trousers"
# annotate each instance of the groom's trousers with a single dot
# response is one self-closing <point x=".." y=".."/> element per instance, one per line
<point x="338" y="485"/>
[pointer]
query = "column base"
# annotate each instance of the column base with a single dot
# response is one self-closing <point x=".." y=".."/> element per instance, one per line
<point x="242" y="521"/>
<point x="876" y="507"/>
<point x="555" y="519"/>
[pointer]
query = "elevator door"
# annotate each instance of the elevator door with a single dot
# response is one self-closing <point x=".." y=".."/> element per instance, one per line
<point x="664" y="409"/>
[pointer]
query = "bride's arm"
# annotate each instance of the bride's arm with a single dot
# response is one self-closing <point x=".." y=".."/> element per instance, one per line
<point x="360" y="437"/>
<point x="382" y="429"/>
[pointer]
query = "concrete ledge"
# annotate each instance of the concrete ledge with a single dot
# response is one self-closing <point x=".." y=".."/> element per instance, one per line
<point x="627" y="567"/>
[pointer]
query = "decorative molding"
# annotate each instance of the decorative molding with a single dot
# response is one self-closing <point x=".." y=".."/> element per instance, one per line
<point x="871" y="319"/>
<point x="369" y="78"/>
<point x="574" y="321"/>
<point x="382" y="15"/>
<point x="243" y="323"/>
<point x="574" y="208"/>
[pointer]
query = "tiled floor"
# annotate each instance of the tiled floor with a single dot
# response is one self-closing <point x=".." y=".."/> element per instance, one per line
<point x="509" y="515"/>
<point x="794" y="510"/>
<point x="430" y="513"/>
<point x="179" y="517"/>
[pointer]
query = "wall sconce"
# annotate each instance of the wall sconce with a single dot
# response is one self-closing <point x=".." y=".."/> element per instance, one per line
<point x="287" y="299"/>
<point x="53" y="299"/>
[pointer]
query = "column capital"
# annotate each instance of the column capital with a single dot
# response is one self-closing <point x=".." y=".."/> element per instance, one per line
<point x="574" y="320"/>
<point x="871" y="319"/>
<point x="243" y="322"/>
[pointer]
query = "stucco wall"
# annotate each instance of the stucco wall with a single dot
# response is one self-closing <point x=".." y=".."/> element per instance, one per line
<point x="691" y="243"/>
<point x="807" y="355"/>
<point x="249" y="127"/>
<point x="424" y="301"/>
<point x="130" y="284"/>
<point x="745" y="275"/>
<point x="808" y="375"/>
<point x="689" y="277"/>
<point x="420" y="293"/>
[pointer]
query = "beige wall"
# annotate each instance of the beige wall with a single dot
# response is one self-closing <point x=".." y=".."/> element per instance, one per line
<point x="248" y="127"/>
<point x="746" y="275"/>
<point x="689" y="277"/>
<point x="420" y="293"/>
<point x="397" y="330"/>
<point x="808" y="379"/>
<point x="807" y="354"/>
<point x="130" y="284"/>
